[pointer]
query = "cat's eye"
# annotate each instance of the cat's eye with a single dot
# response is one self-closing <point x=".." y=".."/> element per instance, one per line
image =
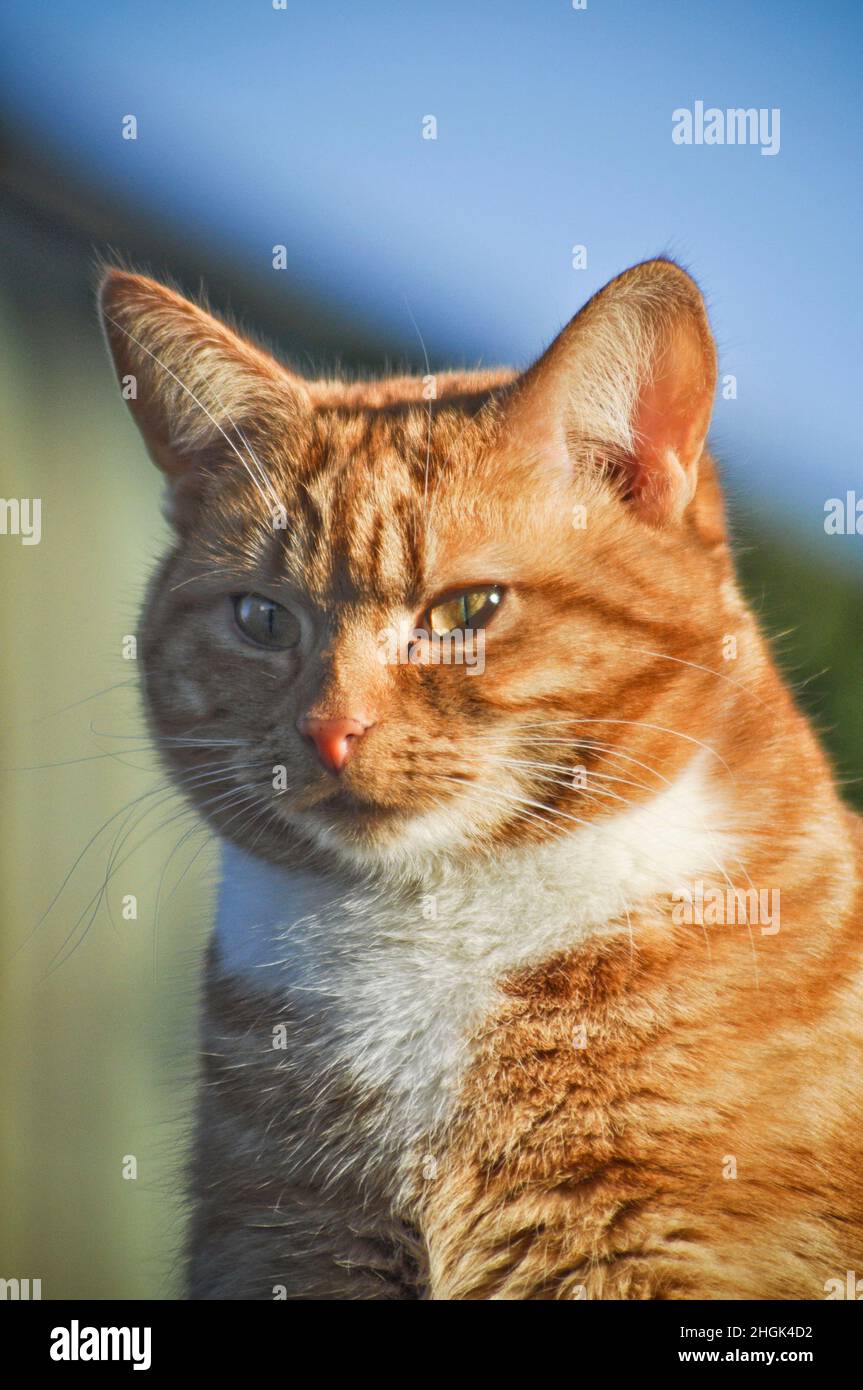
<point x="473" y="608"/>
<point x="265" y="622"/>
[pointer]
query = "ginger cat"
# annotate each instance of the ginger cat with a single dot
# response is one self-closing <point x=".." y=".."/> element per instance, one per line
<point x="538" y="966"/>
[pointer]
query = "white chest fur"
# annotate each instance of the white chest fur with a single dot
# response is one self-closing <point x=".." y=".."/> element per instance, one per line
<point x="402" y="977"/>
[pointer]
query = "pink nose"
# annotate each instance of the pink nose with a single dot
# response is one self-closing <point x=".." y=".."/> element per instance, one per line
<point x="335" y="740"/>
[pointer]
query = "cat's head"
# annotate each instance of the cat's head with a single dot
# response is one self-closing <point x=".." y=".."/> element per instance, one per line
<point x="429" y="615"/>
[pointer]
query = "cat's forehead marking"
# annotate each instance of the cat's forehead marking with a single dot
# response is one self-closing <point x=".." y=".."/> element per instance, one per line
<point x="363" y="530"/>
<point x="375" y="486"/>
<point x="364" y="502"/>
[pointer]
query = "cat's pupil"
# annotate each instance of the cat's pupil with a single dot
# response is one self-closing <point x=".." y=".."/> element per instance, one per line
<point x="472" y="609"/>
<point x="266" y="622"/>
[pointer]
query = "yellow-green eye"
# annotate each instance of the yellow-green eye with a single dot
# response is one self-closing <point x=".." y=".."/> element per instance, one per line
<point x="474" y="608"/>
<point x="266" y="622"/>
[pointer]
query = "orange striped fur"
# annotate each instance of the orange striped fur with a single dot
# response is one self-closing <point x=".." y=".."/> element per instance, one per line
<point x="460" y="1039"/>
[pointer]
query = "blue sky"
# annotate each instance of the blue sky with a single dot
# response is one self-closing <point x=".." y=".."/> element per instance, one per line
<point x="303" y="127"/>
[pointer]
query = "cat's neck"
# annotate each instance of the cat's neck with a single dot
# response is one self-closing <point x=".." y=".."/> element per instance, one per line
<point x="509" y="908"/>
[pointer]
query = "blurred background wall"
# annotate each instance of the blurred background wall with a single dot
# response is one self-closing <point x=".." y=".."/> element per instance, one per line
<point x="259" y="126"/>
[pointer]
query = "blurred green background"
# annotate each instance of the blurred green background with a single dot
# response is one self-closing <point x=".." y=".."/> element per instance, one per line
<point x="98" y="1017"/>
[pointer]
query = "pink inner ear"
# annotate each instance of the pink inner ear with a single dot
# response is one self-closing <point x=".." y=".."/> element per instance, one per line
<point x="670" y="426"/>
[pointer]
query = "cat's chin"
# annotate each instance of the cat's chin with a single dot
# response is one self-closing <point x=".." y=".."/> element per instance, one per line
<point x="357" y="812"/>
<point x="368" y="835"/>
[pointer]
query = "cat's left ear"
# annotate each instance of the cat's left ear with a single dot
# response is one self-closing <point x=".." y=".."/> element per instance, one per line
<point x="190" y="381"/>
<point x="628" y="385"/>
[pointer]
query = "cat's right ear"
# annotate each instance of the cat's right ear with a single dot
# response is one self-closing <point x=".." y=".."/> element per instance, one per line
<point x="189" y="380"/>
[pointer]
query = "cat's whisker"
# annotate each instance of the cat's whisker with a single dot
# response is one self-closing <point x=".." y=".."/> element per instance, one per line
<point x="430" y="403"/>
<point x="521" y="800"/>
<point x="118" y="754"/>
<point x="221" y="572"/>
<point x="586" y="745"/>
<point x="115" y="864"/>
<point x="562" y="767"/>
<point x="255" y="460"/>
<point x="92" y="840"/>
<point x="631" y="936"/>
<point x="708" y="670"/>
<point x="61" y="955"/>
<point x="272" y="818"/>
<point x="604" y="750"/>
<point x="97" y="695"/>
<point x="272" y="502"/>
<point x="651" y="728"/>
<point x="115" y="753"/>
<point x="195" y="830"/>
<point x="167" y="791"/>
<point x="157" y="909"/>
<point x="178" y="739"/>
<point x="584" y="793"/>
